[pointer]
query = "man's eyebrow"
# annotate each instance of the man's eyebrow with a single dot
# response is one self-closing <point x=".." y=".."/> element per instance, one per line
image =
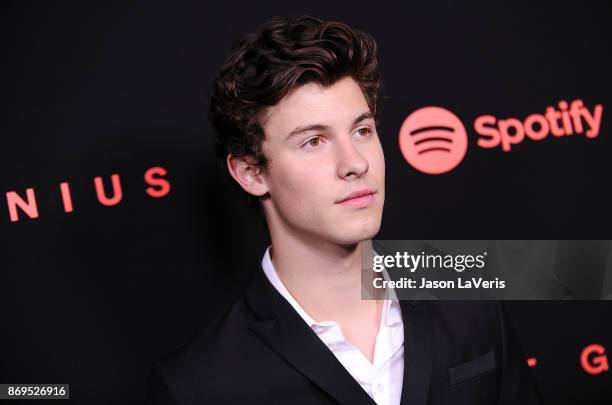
<point x="320" y="127"/>
<point x="362" y="117"/>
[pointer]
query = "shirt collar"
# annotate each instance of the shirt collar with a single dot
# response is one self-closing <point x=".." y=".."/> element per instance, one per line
<point x="268" y="268"/>
<point x="391" y="315"/>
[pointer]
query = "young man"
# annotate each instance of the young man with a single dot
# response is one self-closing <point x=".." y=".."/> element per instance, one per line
<point x="295" y="108"/>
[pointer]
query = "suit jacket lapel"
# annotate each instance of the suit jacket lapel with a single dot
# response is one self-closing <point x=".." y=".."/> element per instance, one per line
<point x="418" y="352"/>
<point x="282" y="328"/>
<point x="418" y="333"/>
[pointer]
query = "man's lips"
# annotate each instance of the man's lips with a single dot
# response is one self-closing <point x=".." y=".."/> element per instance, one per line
<point x="355" y="195"/>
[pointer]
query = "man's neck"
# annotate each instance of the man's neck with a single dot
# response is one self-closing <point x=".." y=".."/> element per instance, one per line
<point x="324" y="278"/>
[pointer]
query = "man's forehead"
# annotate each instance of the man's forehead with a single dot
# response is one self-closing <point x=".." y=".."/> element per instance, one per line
<point x="312" y="103"/>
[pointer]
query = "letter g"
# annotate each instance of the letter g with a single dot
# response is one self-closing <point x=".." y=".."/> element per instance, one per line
<point x="598" y="364"/>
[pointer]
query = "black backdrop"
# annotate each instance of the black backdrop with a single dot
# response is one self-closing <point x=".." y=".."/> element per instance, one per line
<point x="92" y="297"/>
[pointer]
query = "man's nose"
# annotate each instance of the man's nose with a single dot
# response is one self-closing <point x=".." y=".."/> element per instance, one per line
<point x="351" y="161"/>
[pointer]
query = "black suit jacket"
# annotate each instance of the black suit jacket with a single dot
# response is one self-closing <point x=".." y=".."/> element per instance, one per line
<point x="260" y="351"/>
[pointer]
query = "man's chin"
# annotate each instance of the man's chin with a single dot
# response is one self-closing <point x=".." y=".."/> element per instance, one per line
<point x="357" y="234"/>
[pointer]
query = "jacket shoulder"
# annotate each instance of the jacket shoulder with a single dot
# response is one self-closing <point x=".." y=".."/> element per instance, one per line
<point x="184" y="370"/>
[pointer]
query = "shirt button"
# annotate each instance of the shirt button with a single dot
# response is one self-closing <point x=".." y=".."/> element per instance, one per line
<point x="380" y="387"/>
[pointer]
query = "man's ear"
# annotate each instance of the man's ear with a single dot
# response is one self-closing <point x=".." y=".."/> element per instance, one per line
<point x="247" y="174"/>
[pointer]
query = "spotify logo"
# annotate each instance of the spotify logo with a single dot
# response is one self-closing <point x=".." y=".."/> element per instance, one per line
<point x="433" y="140"/>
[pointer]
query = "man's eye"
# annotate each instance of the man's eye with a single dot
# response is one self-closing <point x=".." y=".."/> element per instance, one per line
<point x="364" y="131"/>
<point x="313" y="141"/>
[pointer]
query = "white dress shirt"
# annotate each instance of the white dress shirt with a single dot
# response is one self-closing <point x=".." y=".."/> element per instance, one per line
<point x="383" y="378"/>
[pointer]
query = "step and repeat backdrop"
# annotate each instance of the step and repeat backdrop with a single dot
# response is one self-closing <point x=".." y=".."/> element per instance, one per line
<point x="120" y="236"/>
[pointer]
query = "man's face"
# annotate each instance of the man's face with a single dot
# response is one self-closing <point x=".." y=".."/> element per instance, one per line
<point x="322" y="146"/>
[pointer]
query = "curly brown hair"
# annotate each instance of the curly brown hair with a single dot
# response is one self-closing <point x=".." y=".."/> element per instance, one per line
<point x="265" y="65"/>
